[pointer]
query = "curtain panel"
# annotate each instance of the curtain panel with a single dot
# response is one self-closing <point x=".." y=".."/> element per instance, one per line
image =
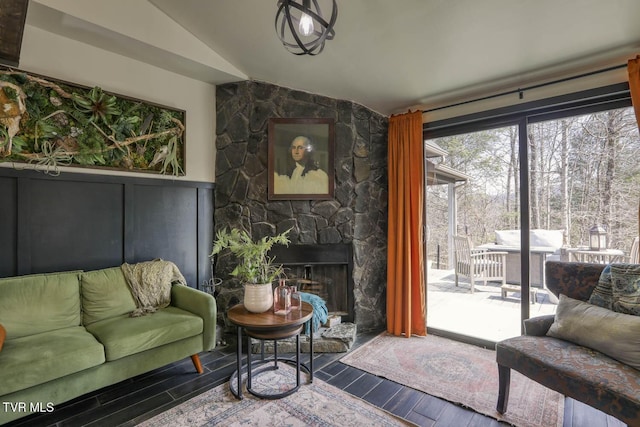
<point x="406" y="287"/>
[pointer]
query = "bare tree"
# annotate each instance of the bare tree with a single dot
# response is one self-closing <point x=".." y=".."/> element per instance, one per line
<point x="513" y="176"/>
<point x="584" y="170"/>
<point x="564" y="181"/>
<point x="534" y="196"/>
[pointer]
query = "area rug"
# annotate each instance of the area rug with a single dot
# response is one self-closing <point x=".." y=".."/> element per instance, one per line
<point x="315" y="404"/>
<point x="460" y="373"/>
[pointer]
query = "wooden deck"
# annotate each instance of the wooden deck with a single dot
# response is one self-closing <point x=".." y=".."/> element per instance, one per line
<point x="483" y="314"/>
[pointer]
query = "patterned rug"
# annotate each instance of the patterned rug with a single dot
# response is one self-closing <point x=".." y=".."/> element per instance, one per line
<point x="460" y="373"/>
<point x="316" y="404"/>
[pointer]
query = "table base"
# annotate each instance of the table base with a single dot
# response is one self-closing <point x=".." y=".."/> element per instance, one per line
<point x="236" y="377"/>
<point x="233" y="381"/>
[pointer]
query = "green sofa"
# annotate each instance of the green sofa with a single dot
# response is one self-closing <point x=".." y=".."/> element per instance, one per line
<point x="70" y="333"/>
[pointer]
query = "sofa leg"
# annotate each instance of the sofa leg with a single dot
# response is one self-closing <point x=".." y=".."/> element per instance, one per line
<point x="196" y="362"/>
<point x="504" y="378"/>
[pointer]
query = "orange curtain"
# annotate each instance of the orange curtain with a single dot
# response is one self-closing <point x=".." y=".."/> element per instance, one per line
<point x="633" y="67"/>
<point x="406" y="302"/>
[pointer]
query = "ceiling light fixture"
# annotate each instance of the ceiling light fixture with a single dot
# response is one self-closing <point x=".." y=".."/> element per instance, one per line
<point x="301" y="27"/>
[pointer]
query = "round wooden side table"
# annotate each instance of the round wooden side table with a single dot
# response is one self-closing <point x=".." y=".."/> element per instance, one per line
<point x="269" y="326"/>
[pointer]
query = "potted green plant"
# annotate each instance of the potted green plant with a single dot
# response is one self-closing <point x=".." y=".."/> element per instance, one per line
<point x="255" y="268"/>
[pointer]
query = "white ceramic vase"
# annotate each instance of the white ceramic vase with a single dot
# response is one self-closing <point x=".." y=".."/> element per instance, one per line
<point x="258" y="298"/>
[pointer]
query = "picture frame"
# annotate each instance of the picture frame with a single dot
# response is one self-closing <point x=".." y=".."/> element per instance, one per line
<point x="49" y="123"/>
<point x="301" y="158"/>
<point x="13" y="15"/>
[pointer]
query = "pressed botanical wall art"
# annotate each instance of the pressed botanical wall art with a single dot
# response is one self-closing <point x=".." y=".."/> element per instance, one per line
<point x="51" y="123"/>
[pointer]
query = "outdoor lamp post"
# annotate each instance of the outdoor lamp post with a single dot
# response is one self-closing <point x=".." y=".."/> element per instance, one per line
<point x="597" y="238"/>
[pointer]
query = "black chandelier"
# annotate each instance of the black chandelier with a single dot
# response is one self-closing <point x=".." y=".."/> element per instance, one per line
<point x="301" y="27"/>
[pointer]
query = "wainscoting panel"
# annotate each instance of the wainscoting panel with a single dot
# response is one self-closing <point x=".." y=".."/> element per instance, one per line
<point x="8" y="226"/>
<point x="165" y="226"/>
<point x="88" y="222"/>
<point x="74" y="225"/>
<point x="206" y="210"/>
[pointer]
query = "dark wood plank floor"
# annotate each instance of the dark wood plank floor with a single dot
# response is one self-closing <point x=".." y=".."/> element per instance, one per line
<point x="132" y="401"/>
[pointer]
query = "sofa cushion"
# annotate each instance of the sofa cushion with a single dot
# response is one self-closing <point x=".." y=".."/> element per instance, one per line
<point x="546" y="238"/>
<point x="508" y="237"/>
<point x="105" y="294"/>
<point x="124" y="335"/>
<point x="615" y="334"/>
<point x="35" y="359"/>
<point x="537" y="238"/>
<point x="575" y="371"/>
<point x="39" y="303"/>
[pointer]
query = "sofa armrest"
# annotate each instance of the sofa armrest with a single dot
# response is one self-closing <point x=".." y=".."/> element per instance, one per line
<point x="201" y="304"/>
<point x="538" y="326"/>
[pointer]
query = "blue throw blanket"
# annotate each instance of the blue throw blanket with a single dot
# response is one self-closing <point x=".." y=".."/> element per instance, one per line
<point x="320" y="312"/>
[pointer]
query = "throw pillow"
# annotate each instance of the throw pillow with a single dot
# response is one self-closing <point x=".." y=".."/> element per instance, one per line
<point x="615" y="334"/>
<point x="3" y="335"/>
<point x="625" y="280"/>
<point x="602" y="294"/>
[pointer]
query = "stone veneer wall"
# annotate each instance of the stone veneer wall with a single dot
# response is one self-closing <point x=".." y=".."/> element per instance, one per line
<point x="358" y="213"/>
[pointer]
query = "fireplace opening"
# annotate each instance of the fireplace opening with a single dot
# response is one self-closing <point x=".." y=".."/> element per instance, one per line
<point x="325" y="270"/>
<point x="329" y="282"/>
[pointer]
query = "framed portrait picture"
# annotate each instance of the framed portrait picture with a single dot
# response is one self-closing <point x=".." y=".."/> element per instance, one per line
<point x="301" y="159"/>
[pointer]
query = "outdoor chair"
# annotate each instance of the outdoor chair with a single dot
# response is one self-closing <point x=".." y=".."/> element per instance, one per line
<point x="479" y="265"/>
<point x="634" y="257"/>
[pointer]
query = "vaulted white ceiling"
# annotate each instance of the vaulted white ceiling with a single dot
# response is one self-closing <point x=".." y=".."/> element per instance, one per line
<point x="386" y="55"/>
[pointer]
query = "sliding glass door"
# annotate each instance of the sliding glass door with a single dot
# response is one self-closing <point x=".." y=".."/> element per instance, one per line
<point x="529" y="186"/>
<point x="475" y="283"/>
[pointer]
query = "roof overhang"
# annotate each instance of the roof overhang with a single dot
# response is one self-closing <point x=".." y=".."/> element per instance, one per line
<point x="438" y="174"/>
<point x="432" y="149"/>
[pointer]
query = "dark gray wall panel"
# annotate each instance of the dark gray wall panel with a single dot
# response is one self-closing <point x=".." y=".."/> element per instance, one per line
<point x="8" y="226"/>
<point x="205" y="233"/>
<point x="75" y="225"/>
<point x="165" y="226"/>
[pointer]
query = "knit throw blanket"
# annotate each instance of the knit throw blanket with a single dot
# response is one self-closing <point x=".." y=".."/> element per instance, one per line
<point x="320" y="312"/>
<point x="150" y="284"/>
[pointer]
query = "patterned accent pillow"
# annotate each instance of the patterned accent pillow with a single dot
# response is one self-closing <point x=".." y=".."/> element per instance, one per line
<point x="3" y="335"/>
<point x="602" y="294"/>
<point x="615" y="334"/>
<point x="625" y="280"/>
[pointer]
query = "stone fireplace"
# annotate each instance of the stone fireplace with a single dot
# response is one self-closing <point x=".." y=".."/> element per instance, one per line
<point x="354" y="221"/>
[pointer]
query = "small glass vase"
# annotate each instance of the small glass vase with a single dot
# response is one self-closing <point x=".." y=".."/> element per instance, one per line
<point x="282" y="299"/>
